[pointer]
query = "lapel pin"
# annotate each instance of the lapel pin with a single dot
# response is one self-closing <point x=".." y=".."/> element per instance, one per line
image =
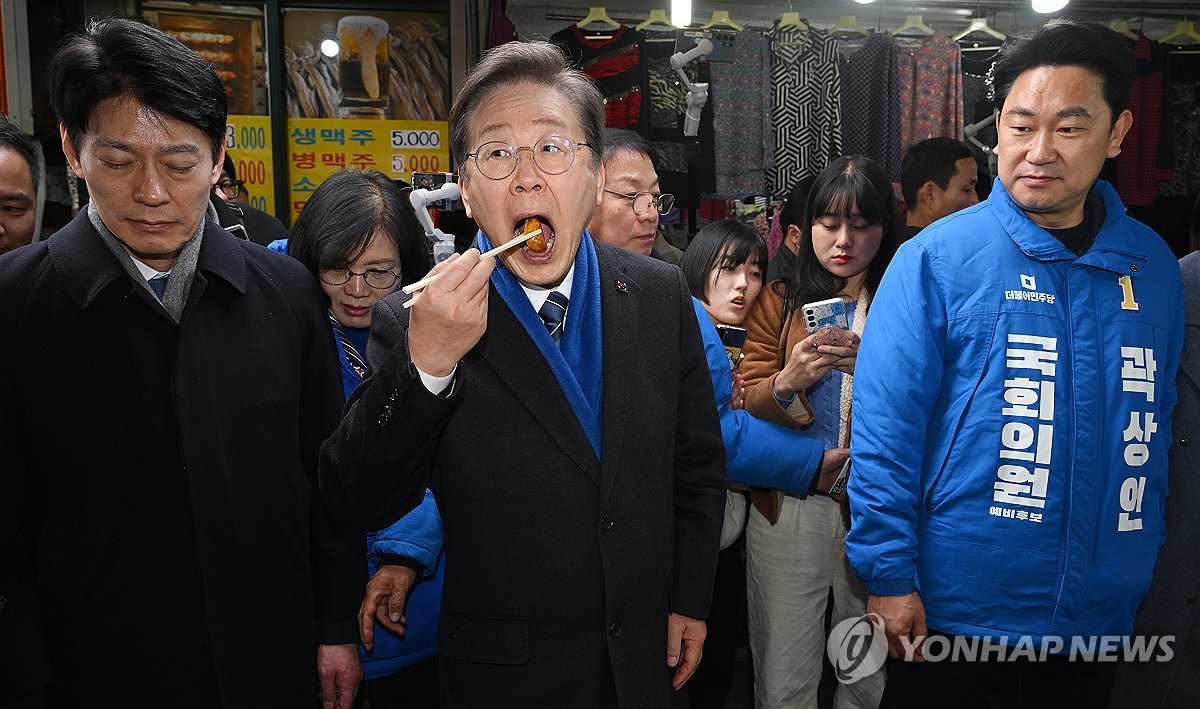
<point x="621" y="286"/>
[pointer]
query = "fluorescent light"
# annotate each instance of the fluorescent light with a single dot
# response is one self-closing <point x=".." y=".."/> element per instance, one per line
<point x="1046" y="7"/>
<point x="864" y="2"/>
<point x="681" y="13"/>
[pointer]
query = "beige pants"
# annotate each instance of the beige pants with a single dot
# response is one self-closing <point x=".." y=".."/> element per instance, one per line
<point x="790" y="569"/>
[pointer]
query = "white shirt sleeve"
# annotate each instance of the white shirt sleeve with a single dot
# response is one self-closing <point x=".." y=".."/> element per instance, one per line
<point x="436" y="385"/>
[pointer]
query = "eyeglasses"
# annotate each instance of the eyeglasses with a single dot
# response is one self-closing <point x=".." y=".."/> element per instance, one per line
<point x="553" y="155"/>
<point x="378" y="278"/>
<point x="231" y="188"/>
<point x="643" y="201"/>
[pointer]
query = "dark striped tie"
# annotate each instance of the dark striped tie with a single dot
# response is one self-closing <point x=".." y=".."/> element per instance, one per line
<point x="552" y="313"/>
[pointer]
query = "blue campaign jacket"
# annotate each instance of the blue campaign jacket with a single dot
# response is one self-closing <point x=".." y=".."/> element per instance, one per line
<point x="417" y="535"/>
<point x="1009" y="446"/>
<point x="757" y="452"/>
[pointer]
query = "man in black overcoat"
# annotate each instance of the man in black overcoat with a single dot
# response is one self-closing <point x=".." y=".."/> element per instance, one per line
<point x="164" y="389"/>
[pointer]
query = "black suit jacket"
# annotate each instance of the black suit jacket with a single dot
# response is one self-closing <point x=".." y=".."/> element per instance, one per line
<point x="561" y="569"/>
<point x="161" y="539"/>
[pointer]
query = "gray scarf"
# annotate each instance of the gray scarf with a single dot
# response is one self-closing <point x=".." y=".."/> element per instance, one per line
<point x="180" y="282"/>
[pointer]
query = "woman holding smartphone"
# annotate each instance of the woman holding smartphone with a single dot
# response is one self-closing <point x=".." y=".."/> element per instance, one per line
<point x="795" y="544"/>
<point x="723" y="266"/>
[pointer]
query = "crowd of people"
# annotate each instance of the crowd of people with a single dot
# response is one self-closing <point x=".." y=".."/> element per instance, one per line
<point x="572" y="474"/>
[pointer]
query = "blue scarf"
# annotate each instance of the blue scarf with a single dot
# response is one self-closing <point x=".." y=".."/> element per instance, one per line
<point x="576" y="360"/>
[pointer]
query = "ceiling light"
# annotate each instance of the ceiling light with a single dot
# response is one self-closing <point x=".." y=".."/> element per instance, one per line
<point x="1046" y="7"/>
<point x="681" y="13"/>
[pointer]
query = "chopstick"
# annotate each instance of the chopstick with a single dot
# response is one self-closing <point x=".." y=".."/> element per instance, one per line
<point x="419" y="285"/>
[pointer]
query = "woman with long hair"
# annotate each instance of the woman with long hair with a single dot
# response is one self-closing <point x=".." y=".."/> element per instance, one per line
<point x="360" y="238"/>
<point x="723" y="266"/>
<point x="796" y="552"/>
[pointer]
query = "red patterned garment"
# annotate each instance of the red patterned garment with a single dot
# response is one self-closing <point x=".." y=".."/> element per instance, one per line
<point x="931" y="94"/>
<point x="614" y="63"/>
<point x="1138" y="170"/>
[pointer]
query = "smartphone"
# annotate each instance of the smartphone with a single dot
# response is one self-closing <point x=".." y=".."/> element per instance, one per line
<point x="843" y="478"/>
<point x="734" y="338"/>
<point x="825" y="313"/>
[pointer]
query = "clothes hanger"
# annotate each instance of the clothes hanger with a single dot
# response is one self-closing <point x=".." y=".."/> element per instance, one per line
<point x="597" y="14"/>
<point x="1121" y="27"/>
<point x="848" y="24"/>
<point x="1184" y="34"/>
<point x="656" y="17"/>
<point x="792" y="19"/>
<point x="913" y="25"/>
<point x="979" y="25"/>
<point x="721" y="18"/>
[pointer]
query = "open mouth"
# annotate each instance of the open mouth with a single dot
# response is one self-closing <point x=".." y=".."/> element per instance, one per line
<point x="538" y="246"/>
<point x="739" y="302"/>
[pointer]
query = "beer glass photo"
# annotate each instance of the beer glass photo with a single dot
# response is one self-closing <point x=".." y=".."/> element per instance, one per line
<point x="363" y="66"/>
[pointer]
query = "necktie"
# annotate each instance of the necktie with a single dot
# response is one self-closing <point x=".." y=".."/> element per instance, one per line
<point x="158" y="284"/>
<point x="552" y="313"/>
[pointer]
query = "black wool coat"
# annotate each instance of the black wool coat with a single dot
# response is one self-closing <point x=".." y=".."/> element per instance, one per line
<point x="1172" y="606"/>
<point x="161" y="539"/>
<point x="561" y="569"/>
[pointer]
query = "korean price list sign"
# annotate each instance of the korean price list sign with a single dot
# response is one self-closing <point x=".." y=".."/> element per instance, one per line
<point x="319" y="147"/>
<point x="248" y="142"/>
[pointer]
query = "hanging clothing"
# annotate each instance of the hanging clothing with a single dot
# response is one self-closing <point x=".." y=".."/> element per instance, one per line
<point x="613" y="62"/>
<point x="1184" y="114"/>
<point x="501" y="30"/>
<point x="744" y="146"/>
<point x="1183" y="100"/>
<point x="1141" y="166"/>
<point x="978" y="105"/>
<point x="931" y="103"/>
<point x="805" y="105"/>
<point x="871" y="99"/>
<point x="664" y="100"/>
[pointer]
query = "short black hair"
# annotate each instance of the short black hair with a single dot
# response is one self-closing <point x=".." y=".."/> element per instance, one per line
<point x="120" y="57"/>
<point x="792" y="211"/>
<point x="1069" y="43"/>
<point x="345" y="212"/>
<point x="538" y="63"/>
<point x="849" y="184"/>
<point x="931" y="159"/>
<point x="724" y="243"/>
<point x="14" y="139"/>
<point x="619" y="139"/>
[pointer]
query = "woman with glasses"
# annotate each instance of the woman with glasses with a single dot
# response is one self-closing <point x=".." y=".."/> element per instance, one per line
<point x="627" y="215"/>
<point x="229" y="198"/>
<point x="359" y="236"/>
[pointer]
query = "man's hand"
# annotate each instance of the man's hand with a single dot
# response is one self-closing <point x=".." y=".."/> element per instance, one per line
<point x="685" y="645"/>
<point x="450" y="315"/>
<point x="387" y="592"/>
<point x="903" y="623"/>
<point x="340" y="671"/>
<point x="831" y="466"/>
